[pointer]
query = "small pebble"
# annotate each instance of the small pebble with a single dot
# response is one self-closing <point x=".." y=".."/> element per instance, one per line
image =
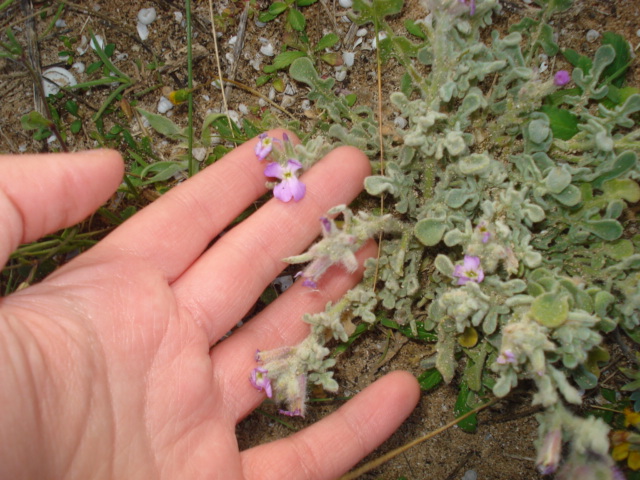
<point x="283" y="282"/>
<point x="361" y="32"/>
<point x="143" y="31"/>
<point x="470" y="475"/>
<point x="147" y="16"/>
<point x="164" y="105"/>
<point x="592" y="35"/>
<point x="345" y="3"/>
<point x="400" y="122"/>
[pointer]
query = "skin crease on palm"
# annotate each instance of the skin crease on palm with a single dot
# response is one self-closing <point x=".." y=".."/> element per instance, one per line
<point x="106" y="369"/>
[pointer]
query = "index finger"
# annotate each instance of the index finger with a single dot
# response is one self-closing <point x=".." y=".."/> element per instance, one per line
<point x="173" y="231"/>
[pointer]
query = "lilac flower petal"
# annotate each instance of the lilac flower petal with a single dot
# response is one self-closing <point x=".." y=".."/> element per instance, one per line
<point x="471" y="262"/>
<point x="293" y="165"/>
<point x="307" y="282"/>
<point x="326" y="225"/>
<point x="264" y="146"/>
<point x="273" y="170"/>
<point x="260" y="381"/>
<point x="561" y="78"/>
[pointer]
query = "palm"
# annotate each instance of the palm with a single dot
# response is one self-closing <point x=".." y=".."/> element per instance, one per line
<point x="124" y="371"/>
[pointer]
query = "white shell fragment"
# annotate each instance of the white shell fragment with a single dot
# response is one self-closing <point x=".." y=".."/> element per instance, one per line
<point x="99" y="41"/>
<point x="348" y="58"/>
<point x="268" y="50"/>
<point x="143" y="31"/>
<point x="147" y="16"/>
<point x="345" y="3"/>
<point x="60" y="77"/>
<point x="164" y="105"/>
<point x="592" y="35"/>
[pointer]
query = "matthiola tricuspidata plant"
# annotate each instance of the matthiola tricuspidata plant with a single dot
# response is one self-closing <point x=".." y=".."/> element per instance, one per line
<point x="506" y="233"/>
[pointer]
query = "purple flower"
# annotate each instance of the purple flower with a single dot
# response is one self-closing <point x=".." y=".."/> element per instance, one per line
<point x="484" y="231"/>
<point x="264" y="146"/>
<point x="549" y="452"/>
<point x="260" y="381"/>
<point x="561" y="78"/>
<point x="469" y="271"/>
<point x="290" y="187"/>
<point x="506" y="357"/>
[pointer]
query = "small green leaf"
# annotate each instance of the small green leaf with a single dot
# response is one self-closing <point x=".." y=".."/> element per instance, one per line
<point x="469" y="424"/>
<point x="110" y="49"/>
<point x="616" y="70"/>
<point x="266" y="17"/>
<point x="625" y="189"/>
<point x="414" y="29"/>
<point x="94" y="67"/>
<point x="283" y="60"/>
<point x="296" y="20"/>
<point x="376" y="10"/>
<point x="545" y="40"/>
<point x="263" y="79"/>
<point x="420" y="332"/>
<point x="71" y="107"/>
<point x="605" y="229"/>
<point x="579" y="61"/>
<point x="76" y="126"/>
<point x="550" y="309"/>
<point x="34" y="120"/>
<point x="305" y="3"/>
<point x="351" y="99"/>
<point x="328" y="41"/>
<point x="276" y="8"/>
<point x="430" y="231"/>
<point x="163" y="125"/>
<point x="564" y="124"/>
<point x="429" y="379"/>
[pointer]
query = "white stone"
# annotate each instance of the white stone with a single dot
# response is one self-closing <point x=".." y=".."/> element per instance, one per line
<point x="592" y="35"/>
<point x="345" y="3"/>
<point x="147" y="16"/>
<point x="78" y="67"/>
<point x="164" y="105"/>
<point x="361" y="32"/>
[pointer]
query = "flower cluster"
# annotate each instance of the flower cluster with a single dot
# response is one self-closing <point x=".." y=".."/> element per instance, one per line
<point x="289" y="387"/>
<point x="284" y="169"/>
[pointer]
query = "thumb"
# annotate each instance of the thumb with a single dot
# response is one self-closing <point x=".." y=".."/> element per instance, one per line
<point x="40" y="194"/>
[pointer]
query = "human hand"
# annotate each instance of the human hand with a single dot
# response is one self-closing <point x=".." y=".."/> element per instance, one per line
<point x="106" y="367"/>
